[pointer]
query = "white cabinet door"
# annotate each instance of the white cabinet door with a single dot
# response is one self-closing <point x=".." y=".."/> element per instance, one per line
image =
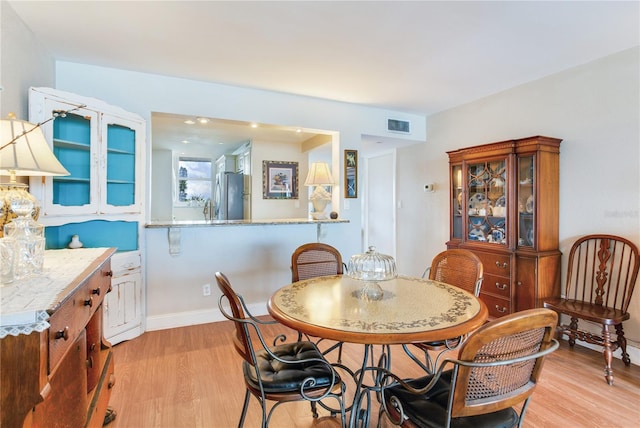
<point x="122" y="314"/>
<point x="120" y="164"/>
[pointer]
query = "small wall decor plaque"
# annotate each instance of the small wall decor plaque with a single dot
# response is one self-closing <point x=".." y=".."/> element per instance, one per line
<point x="350" y="173"/>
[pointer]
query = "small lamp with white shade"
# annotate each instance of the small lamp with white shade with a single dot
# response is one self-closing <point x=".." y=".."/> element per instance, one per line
<point x="24" y="151"/>
<point x="319" y="176"/>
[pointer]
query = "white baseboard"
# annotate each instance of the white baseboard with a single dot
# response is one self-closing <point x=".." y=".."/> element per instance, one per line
<point x="184" y="319"/>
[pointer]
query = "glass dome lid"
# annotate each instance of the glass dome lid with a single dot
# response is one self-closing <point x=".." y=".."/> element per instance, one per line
<point x="372" y="266"/>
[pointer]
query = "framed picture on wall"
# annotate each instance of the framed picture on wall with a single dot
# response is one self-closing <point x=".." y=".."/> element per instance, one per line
<point x="350" y="173"/>
<point x="279" y="180"/>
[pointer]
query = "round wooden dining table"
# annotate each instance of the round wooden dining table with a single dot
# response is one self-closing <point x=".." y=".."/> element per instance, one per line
<point x="411" y="310"/>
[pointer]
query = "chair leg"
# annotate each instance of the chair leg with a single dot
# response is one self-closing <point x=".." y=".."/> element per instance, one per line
<point x="622" y="343"/>
<point x="245" y="406"/>
<point x="314" y="409"/>
<point x="608" y="354"/>
<point x="573" y="327"/>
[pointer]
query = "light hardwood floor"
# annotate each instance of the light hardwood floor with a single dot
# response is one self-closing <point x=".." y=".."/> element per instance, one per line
<point x="191" y="377"/>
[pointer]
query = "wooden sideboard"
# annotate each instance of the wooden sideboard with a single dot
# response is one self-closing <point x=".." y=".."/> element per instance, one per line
<point x="56" y="369"/>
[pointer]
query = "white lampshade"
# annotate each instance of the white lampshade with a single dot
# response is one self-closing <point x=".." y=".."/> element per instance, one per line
<point x="319" y="175"/>
<point x="25" y="152"/>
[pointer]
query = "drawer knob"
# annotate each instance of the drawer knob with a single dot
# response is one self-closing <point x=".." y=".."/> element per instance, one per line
<point x="108" y="273"/>
<point x="502" y="265"/>
<point x="501" y="309"/>
<point x="63" y="334"/>
<point x="519" y="283"/>
<point x="500" y="286"/>
<point x="96" y="291"/>
<point x="89" y="302"/>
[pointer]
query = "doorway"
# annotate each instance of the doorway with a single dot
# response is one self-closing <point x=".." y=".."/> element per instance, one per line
<point x="379" y="202"/>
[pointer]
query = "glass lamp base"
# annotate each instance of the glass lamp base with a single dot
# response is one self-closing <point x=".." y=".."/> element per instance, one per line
<point x="15" y="201"/>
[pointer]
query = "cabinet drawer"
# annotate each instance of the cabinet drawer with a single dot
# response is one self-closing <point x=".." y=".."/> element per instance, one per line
<point x="66" y="403"/>
<point x="496" y="264"/>
<point x="66" y="325"/>
<point x="102" y="392"/>
<point x="498" y="285"/>
<point x="126" y="261"/>
<point x="94" y="342"/>
<point x="498" y="307"/>
<point x="70" y="319"/>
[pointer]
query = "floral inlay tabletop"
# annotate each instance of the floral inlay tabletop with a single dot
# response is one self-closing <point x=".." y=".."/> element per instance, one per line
<point x="408" y="305"/>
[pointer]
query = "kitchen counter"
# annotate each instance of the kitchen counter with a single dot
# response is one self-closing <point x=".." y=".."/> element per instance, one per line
<point x="261" y="222"/>
<point x="175" y="227"/>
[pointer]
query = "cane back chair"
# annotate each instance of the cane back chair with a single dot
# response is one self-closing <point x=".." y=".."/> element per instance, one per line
<point x="498" y="368"/>
<point x="601" y="276"/>
<point x="313" y="260"/>
<point x="457" y="267"/>
<point x="281" y="373"/>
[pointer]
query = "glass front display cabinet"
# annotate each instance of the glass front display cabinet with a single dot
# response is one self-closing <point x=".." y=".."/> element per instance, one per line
<point x="505" y="208"/>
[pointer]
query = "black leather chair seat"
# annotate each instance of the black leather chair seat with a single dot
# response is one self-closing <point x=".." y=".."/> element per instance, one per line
<point x="429" y="410"/>
<point x="279" y="377"/>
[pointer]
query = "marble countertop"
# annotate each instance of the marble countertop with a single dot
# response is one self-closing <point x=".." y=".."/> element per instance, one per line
<point x="260" y="222"/>
<point x="24" y="303"/>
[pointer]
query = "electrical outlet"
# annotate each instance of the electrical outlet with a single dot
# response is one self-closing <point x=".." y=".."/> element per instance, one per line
<point x="206" y="290"/>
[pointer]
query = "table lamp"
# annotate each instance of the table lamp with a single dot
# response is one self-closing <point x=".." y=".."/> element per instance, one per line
<point x="23" y="152"/>
<point x="319" y="176"/>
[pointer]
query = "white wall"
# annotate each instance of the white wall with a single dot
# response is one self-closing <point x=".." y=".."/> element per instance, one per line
<point x="594" y="108"/>
<point x="24" y="63"/>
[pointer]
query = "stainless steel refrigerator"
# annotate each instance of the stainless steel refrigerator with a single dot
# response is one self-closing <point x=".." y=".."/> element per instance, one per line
<point x="229" y="202"/>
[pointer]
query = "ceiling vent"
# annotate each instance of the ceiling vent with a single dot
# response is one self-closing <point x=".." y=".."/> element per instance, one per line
<point x="401" y="126"/>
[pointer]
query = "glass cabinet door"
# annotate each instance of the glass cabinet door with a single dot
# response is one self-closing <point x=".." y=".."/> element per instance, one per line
<point x="456" y="201"/>
<point x="526" y="201"/>
<point x="71" y="135"/>
<point x="487" y="202"/>
<point x="119" y="190"/>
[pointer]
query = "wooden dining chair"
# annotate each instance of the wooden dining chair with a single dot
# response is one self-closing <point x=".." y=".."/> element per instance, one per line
<point x="457" y="267"/>
<point x="498" y="368"/>
<point x="601" y="275"/>
<point x="313" y="260"/>
<point x="280" y="373"/>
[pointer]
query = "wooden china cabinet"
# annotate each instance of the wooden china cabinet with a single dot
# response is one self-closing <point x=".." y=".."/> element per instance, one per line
<point x="505" y="208"/>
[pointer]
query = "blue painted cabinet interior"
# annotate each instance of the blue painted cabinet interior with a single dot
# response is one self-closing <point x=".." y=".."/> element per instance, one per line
<point x="95" y="233"/>
<point x="121" y="165"/>
<point x="72" y="147"/>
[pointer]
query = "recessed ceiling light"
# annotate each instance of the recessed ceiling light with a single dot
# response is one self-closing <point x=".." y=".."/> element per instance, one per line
<point x="203" y="120"/>
<point x="185" y="142"/>
<point x="190" y="122"/>
<point x="254" y="125"/>
<point x="299" y="130"/>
